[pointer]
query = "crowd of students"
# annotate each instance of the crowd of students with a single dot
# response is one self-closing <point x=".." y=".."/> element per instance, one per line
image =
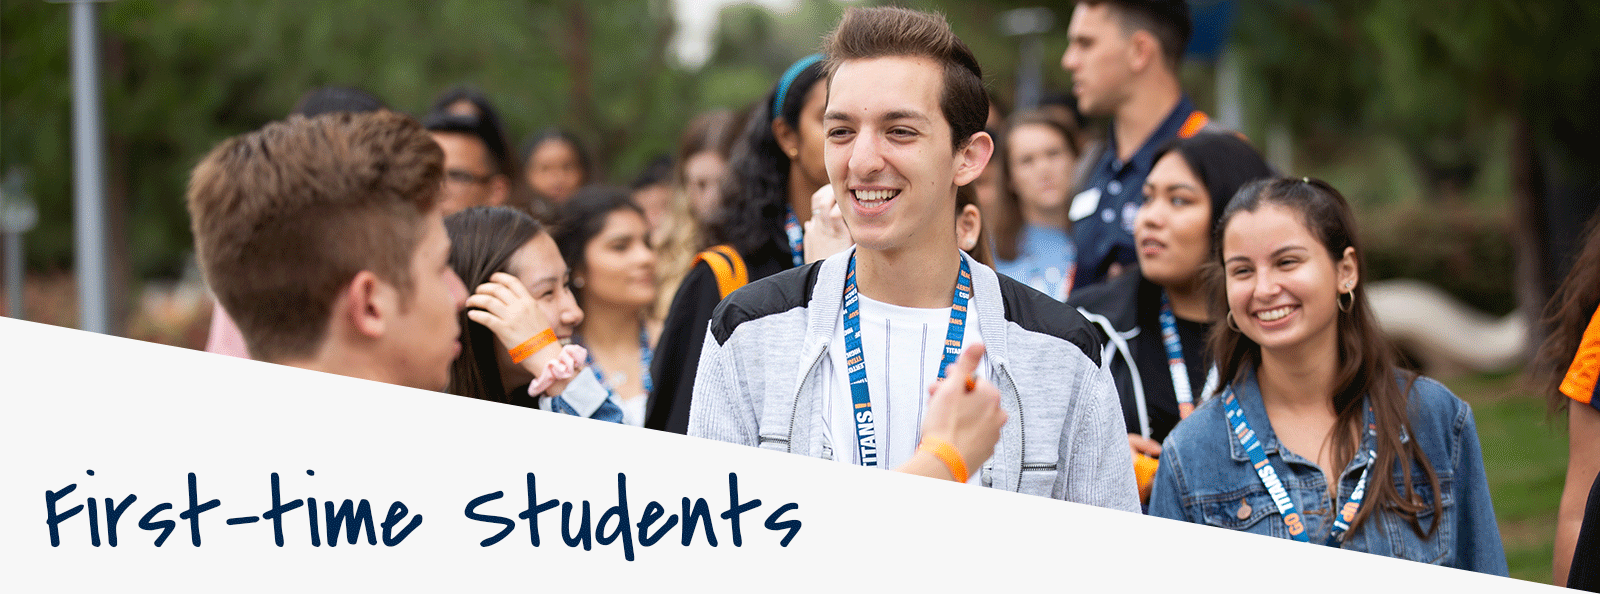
<point x="867" y="265"/>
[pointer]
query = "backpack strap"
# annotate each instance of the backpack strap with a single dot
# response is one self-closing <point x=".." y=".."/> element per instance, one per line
<point x="727" y="265"/>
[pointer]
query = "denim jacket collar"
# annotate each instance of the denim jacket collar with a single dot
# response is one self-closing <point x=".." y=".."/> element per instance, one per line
<point x="1255" y="412"/>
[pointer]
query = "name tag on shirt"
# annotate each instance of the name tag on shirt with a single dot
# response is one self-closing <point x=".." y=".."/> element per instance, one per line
<point x="1084" y="204"/>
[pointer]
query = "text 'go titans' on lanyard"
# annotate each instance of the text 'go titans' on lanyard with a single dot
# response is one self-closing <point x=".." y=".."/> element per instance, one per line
<point x="1280" y="495"/>
<point x="860" y="396"/>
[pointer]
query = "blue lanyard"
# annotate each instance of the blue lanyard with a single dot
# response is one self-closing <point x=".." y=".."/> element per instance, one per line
<point x="1280" y="496"/>
<point x="645" y="356"/>
<point x="866" y="434"/>
<point x="1176" y="364"/>
<point x="791" y="226"/>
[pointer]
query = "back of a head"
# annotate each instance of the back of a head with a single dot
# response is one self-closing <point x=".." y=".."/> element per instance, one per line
<point x="285" y="216"/>
<point x="1168" y="21"/>
<point x="881" y="32"/>
<point x="323" y="100"/>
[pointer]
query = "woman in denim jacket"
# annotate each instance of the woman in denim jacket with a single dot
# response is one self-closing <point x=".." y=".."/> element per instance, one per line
<point x="1313" y="388"/>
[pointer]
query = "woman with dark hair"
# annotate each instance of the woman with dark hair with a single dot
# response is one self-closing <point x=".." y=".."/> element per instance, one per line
<point x="1153" y="319"/>
<point x="518" y="318"/>
<point x="1568" y="371"/>
<point x="1032" y="231"/>
<point x="556" y="165"/>
<point x="1318" y="435"/>
<point x="603" y="235"/>
<point x="776" y="166"/>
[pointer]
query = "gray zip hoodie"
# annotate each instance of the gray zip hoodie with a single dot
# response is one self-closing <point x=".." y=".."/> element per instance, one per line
<point x="760" y="370"/>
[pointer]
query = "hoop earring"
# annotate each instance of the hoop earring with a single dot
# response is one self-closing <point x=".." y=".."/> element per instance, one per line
<point x="1232" y="325"/>
<point x="1344" y="304"/>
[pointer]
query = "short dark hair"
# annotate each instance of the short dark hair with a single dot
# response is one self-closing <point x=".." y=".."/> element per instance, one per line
<point x="284" y="217"/>
<point x="658" y="172"/>
<point x="1167" y="20"/>
<point x="450" y="123"/>
<point x="887" y="31"/>
<point x="323" y="100"/>
<point x="491" y="130"/>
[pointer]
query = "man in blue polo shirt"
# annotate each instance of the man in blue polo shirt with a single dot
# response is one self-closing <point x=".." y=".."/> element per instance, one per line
<point x="1124" y="56"/>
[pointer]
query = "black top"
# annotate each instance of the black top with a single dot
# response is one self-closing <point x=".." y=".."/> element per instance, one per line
<point x="1128" y="302"/>
<point x="677" y="353"/>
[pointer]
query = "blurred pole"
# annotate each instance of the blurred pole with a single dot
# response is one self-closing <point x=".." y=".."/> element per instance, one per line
<point x="17" y="216"/>
<point x="1030" y="89"/>
<point x="1230" y="98"/>
<point x="14" y="276"/>
<point x="1028" y="23"/>
<point x="88" y="148"/>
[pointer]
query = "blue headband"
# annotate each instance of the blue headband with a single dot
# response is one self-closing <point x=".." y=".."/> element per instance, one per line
<point x="788" y="79"/>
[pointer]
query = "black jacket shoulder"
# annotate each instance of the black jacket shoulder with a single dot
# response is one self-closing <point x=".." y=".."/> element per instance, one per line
<point x="778" y="293"/>
<point x="1037" y="312"/>
<point x="1116" y="299"/>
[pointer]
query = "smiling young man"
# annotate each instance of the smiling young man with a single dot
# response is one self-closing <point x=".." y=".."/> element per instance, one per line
<point x="834" y="359"/>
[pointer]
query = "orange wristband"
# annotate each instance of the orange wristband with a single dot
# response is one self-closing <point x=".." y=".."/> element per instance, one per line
<point x="949" y="455"/>
<point x="530" y="346"/>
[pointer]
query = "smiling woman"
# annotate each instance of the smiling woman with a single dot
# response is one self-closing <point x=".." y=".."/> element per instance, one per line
<point x="1318" y="436"/>
<point x="519" y="316"/>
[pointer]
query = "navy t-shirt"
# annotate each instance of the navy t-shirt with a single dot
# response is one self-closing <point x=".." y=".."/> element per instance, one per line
<point x="1102" y="214"/>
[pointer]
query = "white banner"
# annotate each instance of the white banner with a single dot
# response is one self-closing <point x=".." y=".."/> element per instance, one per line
<point x="130" y="465"/>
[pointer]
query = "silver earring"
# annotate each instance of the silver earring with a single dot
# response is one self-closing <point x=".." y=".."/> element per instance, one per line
<point x="577" y="282"/>
<point x="1346" y="305"/>
<point x="1233" y="325"/>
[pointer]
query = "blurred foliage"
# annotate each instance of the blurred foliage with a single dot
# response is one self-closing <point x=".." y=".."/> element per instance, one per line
<point x="1432" y="83"/>
<point x="180" y="76"/>
<point x="1433" y="74"/>
<point x="1465" y="251"/>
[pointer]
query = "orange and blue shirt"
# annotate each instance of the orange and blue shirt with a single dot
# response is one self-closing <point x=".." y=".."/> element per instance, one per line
<point x="1582" y="376"/>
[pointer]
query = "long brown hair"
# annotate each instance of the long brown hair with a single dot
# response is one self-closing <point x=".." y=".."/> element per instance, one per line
<point x="482" y="240"/>
<point x="1008" y="217"/>
<point x="1566" y="317"/>
<point x="1367" y="360"/>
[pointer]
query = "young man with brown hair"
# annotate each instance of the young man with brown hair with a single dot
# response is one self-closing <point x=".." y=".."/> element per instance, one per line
<point x="834" y="359"/>
<point x="1124" y="57"/>
<point x="323" y="239"/>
